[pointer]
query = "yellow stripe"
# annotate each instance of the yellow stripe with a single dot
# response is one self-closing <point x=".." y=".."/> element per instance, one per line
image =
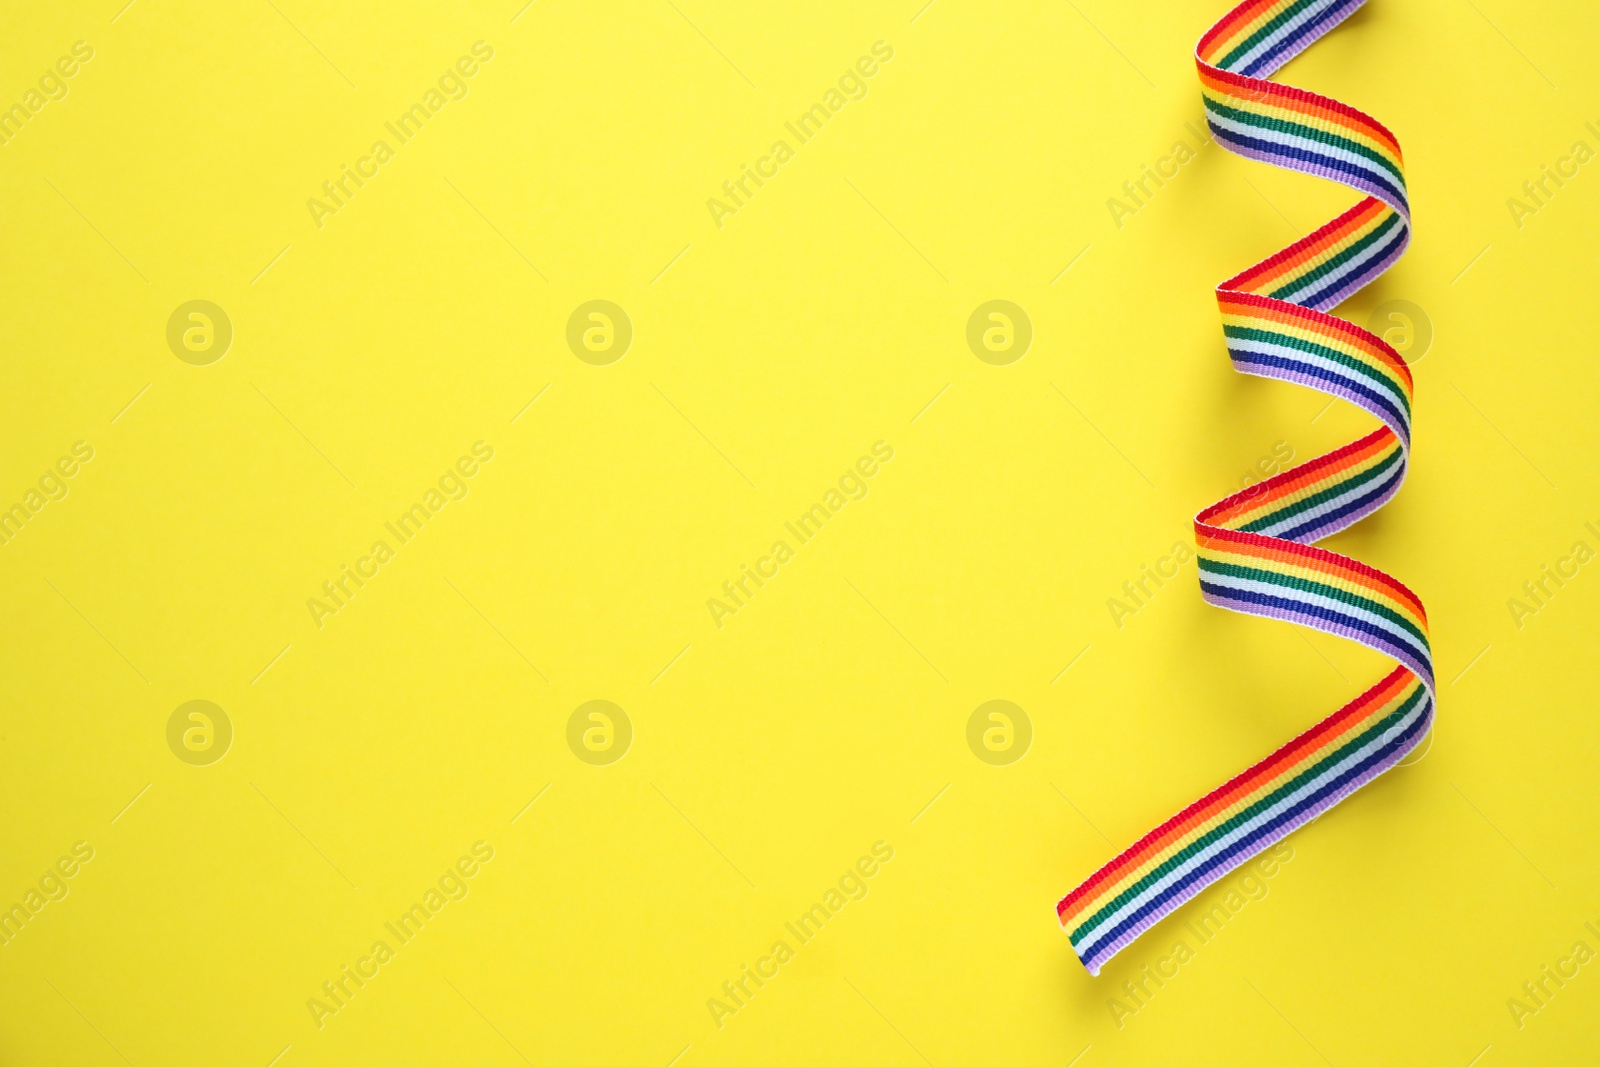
<point x="1274" y="109"/>
<point x="1341" y="474"/>
<point x="1075" y="918"/>
<point x="1205" y="826"/>
<point x="1337" y="342"/>
<point x="1293" y="272"/>
<point x="1244" y="32"/>
<point x="1241" y="519"/>
<point x="1355" y="588"/>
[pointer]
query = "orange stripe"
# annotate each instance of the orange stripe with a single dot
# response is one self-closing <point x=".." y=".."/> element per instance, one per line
<point x="1241" y="23"/>
<point x="1318" y="560"/>
<point x="1269" y="495"/>
<point x="1295" y="258"/>
<point x="1249" y="91"/>
<point x="1321" y="247"/>
<point x="1144" y="854"/>
<point x="1233" y="302"/>
<point x="1221" y="37"/>
<point x="1367" y="342"/>
<point x="1137" y="857"/>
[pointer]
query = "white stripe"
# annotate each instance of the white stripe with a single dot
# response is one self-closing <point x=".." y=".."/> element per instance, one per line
<point x="1401" y="636"/>
<point x="1272" y="348"/>
<point x="1272" y="589"/>
<point x="1249" y="827"/>
<point x="1374" y="253"/>
<point x="1320" y="512"/>
<point x="1313" y="12"/>
<point x="1245" y="830"/>
<point x="1343" y="276"/>
<point x="1329" y="506"/>
<point x="1352" y="268"/>
<point x="1383" y="185"/>
<point x="1288" y="140"/>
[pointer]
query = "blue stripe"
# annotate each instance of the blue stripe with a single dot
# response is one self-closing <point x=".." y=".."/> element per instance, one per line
<point x="1312" y="370"/>
<point x="1249" y="844"/>
<point x="1388" y="486"/>
<point x="1397" y="643"/>
<point x="1297" y="41"/>
<point x="1339" y="166"/>
<point x="1398" y="240"/>
<point x="1359" y="260"/>
<point x="1331" y="298"/>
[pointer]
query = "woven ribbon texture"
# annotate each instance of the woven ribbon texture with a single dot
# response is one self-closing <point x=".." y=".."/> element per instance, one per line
<point x="1256" y="549"/>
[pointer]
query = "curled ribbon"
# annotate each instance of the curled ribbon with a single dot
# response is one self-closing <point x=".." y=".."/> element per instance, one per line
<point x="1256" y="551"/>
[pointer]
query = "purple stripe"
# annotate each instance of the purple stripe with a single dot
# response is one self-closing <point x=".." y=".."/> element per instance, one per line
<point x="1290" y="163"/>
<point x="1396" y="243"/>
<point x="1361" y="280"/>
<point x="1333" y="525"/>
<point x="1307" y="156"/>
<point x="1399" y="650"/>
<point x="1409" y="738"/>
<point x="1350" y="510"/>
<point x="1401" y="430"/>
<point x="1299" y="41"/>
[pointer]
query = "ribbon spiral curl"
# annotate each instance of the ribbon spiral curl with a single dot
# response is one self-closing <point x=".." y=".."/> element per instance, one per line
<point x="1255" y="548"/>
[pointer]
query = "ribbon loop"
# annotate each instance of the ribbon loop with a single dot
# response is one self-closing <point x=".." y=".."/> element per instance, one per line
<point x="1256" y="548"/>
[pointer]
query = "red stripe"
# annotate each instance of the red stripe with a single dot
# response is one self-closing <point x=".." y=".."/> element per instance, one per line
<point x="1286" y="482"/>
<point x="1260" y="89"/>
<point x="1220" y="798"/>
<point x="1245" y="12"/>
<point x="1223" y="795"/>
<point x="1309" y="555"/>
<point x="1371" y="342"/>
<point x="1327" y="236"/>
<point x="1330" y="235"/>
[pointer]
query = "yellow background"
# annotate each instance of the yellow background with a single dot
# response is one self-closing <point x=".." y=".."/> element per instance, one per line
<point x="768" y="355"/>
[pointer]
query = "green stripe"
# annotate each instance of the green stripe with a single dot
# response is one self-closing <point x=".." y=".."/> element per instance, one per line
<point x="1344" y="359"/>
<point x="1272" y="26"/>
<point x="1298" y="782"/>
<point x="1376" y="471"/>
<point x="1306" y="585"/>
<point x="1309" y="133"/>
<point x="1338" y="262"/>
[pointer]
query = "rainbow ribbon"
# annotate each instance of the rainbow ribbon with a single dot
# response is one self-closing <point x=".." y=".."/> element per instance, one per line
<point x="1255" y="548"/>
